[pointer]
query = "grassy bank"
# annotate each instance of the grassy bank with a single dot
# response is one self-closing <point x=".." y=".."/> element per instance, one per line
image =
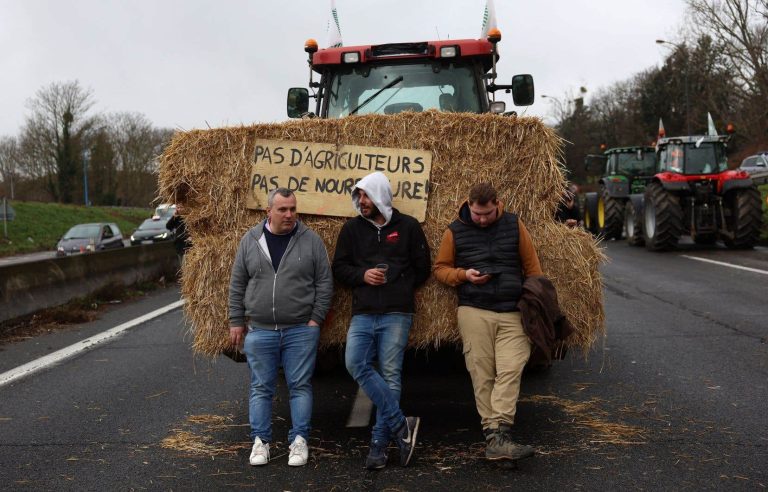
<point x="39" y="226"/>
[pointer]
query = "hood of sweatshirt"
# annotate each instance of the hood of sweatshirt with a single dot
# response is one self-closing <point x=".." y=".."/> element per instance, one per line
<point x="376" y="186"/>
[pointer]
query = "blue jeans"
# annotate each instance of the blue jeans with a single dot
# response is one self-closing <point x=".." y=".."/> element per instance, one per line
<point x="295" y="348"/>
<point x="381" y="337"/>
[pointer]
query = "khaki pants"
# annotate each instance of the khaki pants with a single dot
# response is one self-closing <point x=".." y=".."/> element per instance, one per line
<point x="495" y="350"/>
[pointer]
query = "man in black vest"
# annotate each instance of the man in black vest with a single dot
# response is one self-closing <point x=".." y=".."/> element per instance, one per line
<point x="486" y="253"/>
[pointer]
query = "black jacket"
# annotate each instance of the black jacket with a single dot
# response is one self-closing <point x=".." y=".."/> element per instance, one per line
<point x="401" y="244"/>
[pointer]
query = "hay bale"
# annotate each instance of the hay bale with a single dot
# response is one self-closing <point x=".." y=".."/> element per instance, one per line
<point x="207" y="171"/>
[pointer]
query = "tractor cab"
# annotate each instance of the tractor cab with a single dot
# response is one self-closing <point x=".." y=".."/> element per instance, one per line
<point x="693" y="156"/>
<point x="450" y="75"/>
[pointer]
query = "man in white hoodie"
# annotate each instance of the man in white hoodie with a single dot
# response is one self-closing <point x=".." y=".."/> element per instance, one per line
<point x="383" y="256"/>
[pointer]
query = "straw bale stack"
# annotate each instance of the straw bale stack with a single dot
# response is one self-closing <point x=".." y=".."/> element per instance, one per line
<point x="207" y="171"/>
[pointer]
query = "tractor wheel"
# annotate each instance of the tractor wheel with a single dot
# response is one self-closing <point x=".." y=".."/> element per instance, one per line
<point x="590" y="213"/>
<point x="633" y="225"/>
<point x="745" y="219"/>
<point x="612" y="216"/>
<point x="662" y="220"/>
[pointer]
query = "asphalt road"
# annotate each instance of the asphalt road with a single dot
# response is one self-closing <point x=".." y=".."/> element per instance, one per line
<point x="674" y="398"/>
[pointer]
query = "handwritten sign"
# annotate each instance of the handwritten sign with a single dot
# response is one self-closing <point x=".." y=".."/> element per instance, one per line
<point x="323" y="175"/>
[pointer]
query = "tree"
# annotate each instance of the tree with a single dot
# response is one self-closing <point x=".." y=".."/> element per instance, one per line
<point x="54" y="134"/>
<point x="102" y="169"/>
<point x="740" y="29"/>
<point x="136" y="144"/>
<point x="8" y="163"/>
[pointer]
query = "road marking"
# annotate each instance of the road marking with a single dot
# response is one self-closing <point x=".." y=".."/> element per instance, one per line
<point x="361" y="410"/>
<point x="87" y="344"/>
<point x="730" y="265"/>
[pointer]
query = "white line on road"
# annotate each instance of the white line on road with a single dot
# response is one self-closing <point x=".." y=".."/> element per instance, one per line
<point x="361" y="410"/>
<point x="730" y="265"/>
<point x="88" y="343"/>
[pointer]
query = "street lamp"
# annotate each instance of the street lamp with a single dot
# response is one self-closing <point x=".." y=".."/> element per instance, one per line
<point x="86" y="158"/>
<point x="687" y="61"/>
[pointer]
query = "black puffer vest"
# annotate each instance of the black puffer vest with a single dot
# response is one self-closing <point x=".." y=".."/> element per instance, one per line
<point x="494" y="249"/>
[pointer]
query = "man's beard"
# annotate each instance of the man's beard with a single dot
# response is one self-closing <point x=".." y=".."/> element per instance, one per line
<point x="372" y="214"/>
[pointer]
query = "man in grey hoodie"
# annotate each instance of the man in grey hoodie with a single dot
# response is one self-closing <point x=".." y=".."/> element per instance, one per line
<point x="383" y="256"/>
<point x="281" y="285"/>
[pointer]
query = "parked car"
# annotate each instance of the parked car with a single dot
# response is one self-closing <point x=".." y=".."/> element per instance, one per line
<point x="757" y="163"/>
<point x="89" y="238"/>
<point x="151" y="231"/>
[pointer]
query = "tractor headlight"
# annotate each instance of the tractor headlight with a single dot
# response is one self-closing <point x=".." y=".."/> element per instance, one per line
<point x="351" y="57"/>
<point x="448" y="52"/>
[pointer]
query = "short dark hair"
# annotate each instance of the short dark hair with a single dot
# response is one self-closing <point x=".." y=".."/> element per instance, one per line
<point x="284" y="192"/>
<point x="482" y="193"/>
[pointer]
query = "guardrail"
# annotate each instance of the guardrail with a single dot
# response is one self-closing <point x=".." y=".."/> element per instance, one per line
<point x="29" y="287"/>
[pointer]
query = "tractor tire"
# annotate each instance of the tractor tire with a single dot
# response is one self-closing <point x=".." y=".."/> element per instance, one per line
<point x="590" y="213"/>
<point x="633" y="225"/>
<point x="662" y="219"/>
<point x="612" y="216"/>
<point x="746" y="218"/>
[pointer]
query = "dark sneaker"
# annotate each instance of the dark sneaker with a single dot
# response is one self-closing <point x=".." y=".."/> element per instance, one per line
<point x="406" y="439"/>
<point x="377" y="456"/>
<point x="499" y="446"/>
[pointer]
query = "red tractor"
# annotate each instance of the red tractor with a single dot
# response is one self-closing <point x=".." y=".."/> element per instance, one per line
<point x="693" y="193"/>
<point x="451" y="75"/>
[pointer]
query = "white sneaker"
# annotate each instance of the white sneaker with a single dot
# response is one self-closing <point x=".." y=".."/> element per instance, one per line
<point x="299" y="452"/>
<point x="259" y="453"/>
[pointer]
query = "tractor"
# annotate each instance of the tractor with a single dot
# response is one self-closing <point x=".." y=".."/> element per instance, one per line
<point x="693" y="193"/>
<point x="627" y="170"/>
<point x="449" y="75"/>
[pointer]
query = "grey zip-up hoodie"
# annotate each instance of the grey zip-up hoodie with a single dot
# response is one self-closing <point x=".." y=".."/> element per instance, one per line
<point x="301" y="290"/>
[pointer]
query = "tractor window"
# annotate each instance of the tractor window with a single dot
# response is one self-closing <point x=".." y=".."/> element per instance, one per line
<point x="630" y="165"/>
<point x="707" y="158"/>
<point x="673" y="158"/>
<point x="445" y="87"/>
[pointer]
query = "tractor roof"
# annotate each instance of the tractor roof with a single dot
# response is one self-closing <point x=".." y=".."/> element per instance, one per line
<point x="626" y="150"/>
<point x="426" y="50"/>
<point x="692" y="139"/>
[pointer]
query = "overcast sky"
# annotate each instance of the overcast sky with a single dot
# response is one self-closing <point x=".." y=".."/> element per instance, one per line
<point x="195" y="63"/>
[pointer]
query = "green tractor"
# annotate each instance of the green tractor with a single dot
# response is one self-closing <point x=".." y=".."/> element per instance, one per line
<point x="627" y="171"/>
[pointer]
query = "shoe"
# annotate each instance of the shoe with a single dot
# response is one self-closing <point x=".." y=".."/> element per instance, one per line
<point x="259" y="453"/>
<point x="406" y="439"/>
<point x="377" y="456"/>
<point x="500" y="446"/>
<point x="299" y="452"/>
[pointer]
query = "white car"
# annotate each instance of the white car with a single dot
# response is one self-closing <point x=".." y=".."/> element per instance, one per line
<point x="757" y="163"/>
<point x="164" y="211"/>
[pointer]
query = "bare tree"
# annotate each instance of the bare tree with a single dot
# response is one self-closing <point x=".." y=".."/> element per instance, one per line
<point x="740" y="29"/>
<point x="54" y="133"/>
<point x="8" y="163"/>
<point x="136" y="144"/>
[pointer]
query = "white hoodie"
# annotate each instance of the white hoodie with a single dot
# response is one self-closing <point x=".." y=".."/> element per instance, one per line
<point x="376" y="186"/>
